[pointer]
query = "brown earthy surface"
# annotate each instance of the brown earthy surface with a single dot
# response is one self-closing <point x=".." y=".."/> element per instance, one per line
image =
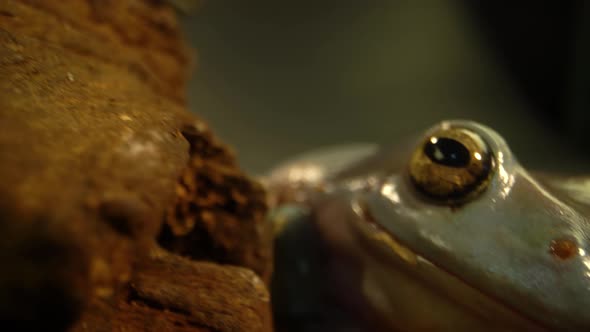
<point x="209" y="197"/>
<point x="100" y="163"/>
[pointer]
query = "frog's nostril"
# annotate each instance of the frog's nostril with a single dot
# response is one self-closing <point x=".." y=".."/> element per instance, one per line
<point x="563" y="248"/>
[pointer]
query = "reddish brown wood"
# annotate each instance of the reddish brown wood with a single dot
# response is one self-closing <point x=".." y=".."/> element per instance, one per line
<point x="100" y="164"/>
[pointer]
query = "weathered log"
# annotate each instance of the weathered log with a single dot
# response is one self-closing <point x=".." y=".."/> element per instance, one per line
<point x="101" y="166"/>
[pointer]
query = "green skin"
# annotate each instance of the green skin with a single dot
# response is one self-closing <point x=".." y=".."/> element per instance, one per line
<point x="485" y="265"/>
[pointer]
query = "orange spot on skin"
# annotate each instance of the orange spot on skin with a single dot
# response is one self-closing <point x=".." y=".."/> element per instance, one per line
<point x="563" y="248"/>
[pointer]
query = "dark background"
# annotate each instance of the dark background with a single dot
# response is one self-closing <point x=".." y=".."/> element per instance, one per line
<point x="277" y="78"/>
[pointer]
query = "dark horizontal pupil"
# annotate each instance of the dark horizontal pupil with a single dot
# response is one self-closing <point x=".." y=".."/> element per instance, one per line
<point x="447" y="152"/>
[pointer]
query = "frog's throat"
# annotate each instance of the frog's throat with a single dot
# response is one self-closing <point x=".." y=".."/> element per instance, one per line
<point x="395" y="268"/>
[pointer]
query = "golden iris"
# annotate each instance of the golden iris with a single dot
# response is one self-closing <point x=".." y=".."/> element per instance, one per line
<point x="451" y="165"/>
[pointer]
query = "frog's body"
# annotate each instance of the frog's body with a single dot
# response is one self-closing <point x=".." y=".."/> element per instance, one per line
<point x="509" y="257"/>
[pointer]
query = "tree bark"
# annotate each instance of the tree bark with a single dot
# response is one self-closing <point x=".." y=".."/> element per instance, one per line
<point x="107" y="180"/>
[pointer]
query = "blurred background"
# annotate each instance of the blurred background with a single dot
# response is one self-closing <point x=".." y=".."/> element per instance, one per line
<point x="277" y="78"/>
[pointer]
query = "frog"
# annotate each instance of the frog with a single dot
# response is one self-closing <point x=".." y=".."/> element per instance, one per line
<point x="445" y="231"/>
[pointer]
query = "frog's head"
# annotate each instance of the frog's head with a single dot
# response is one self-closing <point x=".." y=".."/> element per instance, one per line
<point x="460" y="207"/>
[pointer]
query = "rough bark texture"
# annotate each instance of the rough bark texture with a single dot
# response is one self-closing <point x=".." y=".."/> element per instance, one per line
<point x="101" y="164"/>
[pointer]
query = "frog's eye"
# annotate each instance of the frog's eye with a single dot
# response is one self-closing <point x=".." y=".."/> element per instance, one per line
<point x="451" y="165"/>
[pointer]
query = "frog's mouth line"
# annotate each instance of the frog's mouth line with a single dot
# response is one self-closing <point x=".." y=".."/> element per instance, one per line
<point x="437" y="279"/>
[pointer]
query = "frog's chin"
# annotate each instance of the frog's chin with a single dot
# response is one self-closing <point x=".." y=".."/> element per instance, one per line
<point x="414" y="294"/>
